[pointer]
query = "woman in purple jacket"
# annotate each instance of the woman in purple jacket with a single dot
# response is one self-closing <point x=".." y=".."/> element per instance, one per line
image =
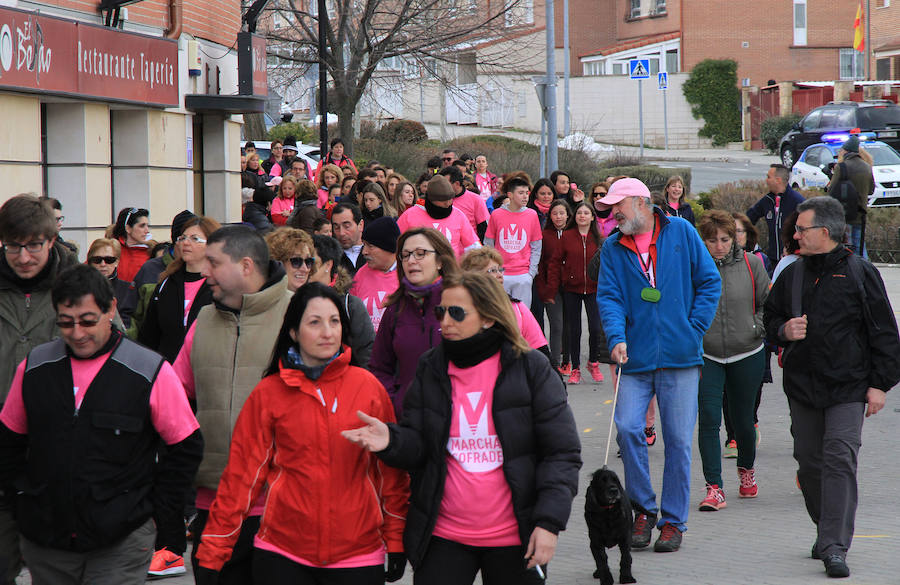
<point x="408" y="327"/>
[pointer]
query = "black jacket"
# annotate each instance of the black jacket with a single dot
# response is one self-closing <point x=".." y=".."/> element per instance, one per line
<point x="541" y="449"/>
<point x="684" y="210"/>
<point x="163" y="329"/>
<point x="256" y="215"/>
<point x="845" y="351"/>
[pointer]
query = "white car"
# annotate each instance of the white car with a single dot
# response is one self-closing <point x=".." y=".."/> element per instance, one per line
<point x="307" y="152"/>
<point x="813" y="170"/>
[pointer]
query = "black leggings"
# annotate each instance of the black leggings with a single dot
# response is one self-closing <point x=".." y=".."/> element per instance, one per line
<point x="273" y="569"/>
<point x="572" y="307"/>
<point x="450" y="563"/>
<point x="237" y="569"/>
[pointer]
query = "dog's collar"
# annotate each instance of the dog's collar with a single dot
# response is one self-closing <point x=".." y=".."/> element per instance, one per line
<point x="609" y="507"/>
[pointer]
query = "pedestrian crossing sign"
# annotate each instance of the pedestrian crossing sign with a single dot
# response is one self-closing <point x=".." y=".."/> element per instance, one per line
<point x="663" y="79"/>
<point x="639" y="68"/>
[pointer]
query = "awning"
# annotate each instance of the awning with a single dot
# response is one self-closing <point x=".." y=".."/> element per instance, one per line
<point x="202" y="103"/>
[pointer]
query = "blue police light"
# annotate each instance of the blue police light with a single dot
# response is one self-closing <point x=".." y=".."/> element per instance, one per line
<point x="842" y="137"/>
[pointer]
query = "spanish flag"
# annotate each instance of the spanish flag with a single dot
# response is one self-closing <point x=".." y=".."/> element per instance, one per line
<point x="859" y="38"/>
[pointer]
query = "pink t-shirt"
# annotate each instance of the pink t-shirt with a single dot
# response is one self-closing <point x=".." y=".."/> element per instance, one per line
<point x="477" y="505"/>
<point x="280" y="204"/>
<point x="528" y="326"/>
<point x="190" y="293"/>
<point x="455" y="227"/>
<point x="473" y="207"/>
<point x="170" y="412"/>
<point x="642" y="241"/>
<point x="322" y="198"/>
<point x="364" y="560"/>
<point x="372" y="287"/>
<point x="483" y="182"/>
<point x="513" y="232"/>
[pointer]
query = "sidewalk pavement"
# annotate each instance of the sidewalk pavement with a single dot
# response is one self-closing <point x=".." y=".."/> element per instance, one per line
<point x="763" y="541"/>
<point x="651" y="154"/>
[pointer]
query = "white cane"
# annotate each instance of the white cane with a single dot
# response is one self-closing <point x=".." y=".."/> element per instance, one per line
<point x="612" y="417"/>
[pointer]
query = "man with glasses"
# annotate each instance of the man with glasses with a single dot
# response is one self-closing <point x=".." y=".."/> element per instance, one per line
<point x="56" y="206"/>
<point x="831" y="313"/>
<point x="31" y="260"/>
<point x="447" y="158"/>
<point x="223" y="358"/>
<point x="79" y="434"/>
<point x="377" y="279"/>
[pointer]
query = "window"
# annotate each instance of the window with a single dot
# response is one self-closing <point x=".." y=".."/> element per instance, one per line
<point x="519" y="12"/>
<point x="811" y="121"/>
<point x="619" y="69"/>
<point x="660" y="6"/>
<point x="800" y="22"/>
<point x="852" y="64"/>
<point x="466" y="71"/>
<point x="672" y="61"/>
<point x="882" y="3"/>
<point x="883" y="69"/>
<point x="635" y="9"/>
<point x="277" y="20"/>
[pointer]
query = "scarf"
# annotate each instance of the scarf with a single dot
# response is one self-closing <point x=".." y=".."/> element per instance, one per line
<point x="541" y="207"/>
<point x="293" y="360"/>
<point x="471" y="351"/>
<point x="420" y="291"/>
<point x="437" y="212"/>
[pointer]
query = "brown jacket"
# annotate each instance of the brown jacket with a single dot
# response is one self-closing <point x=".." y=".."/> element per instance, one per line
<point x="860" y="175"/>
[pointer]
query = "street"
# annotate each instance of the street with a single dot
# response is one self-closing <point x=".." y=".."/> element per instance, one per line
<point x="764" y="541"/>
<point x="707" y="174"/>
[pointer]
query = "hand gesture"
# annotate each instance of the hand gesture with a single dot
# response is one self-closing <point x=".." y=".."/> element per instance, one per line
<point x="541" y="547"/>
<point x="374" y="436"/>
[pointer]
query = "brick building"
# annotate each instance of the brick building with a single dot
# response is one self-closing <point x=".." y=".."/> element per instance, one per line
<point x="104" y="114"/>
<point x="885" y="44"/>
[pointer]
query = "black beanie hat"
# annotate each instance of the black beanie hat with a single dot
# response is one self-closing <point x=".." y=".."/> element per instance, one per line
<point x="382" y="233"/>
<point x="179" y="221"/>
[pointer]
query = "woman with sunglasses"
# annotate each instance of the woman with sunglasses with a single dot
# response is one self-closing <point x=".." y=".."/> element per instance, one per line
<point x="132" y="229"/>
<point x="333" y="512"/>
<point x="104" y="256"/>
<point x="606" y="220"/>
<point x="490" y="444"/>
<point x="181" y="292"/>
<point x="294" y="249"/>
<point x="408" y="326"/>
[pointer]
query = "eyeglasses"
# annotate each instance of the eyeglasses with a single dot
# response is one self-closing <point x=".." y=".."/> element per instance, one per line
<point x="447" y="159"/>
<point x="195" y="239"/>
<point x="599" y="194"/>
<point x="497" y="270"/>
<point x="103" y="259"/>
<point x="81" y="322"/>
<point x="419" y="253"/>
<point x="456" y="313"/>
<point x="803" y="229"/>
<point x="298" y="261"/>
<point x="14" y="249"/>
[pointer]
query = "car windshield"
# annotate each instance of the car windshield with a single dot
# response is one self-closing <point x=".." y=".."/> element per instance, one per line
<point x="883" y="155"/>
<point x="879" y="117"/>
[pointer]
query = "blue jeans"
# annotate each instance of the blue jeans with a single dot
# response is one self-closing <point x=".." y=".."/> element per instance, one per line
<point x="853" y="240"/>
<point x="676" y="395"/>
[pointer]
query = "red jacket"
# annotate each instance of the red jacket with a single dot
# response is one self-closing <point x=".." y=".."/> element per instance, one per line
<point x="343" y="163"/>
<point x="131" y="260"/>
<point x="550" y="241"/>
<point x="327" y="499"/>
<point x="568" y="266"/>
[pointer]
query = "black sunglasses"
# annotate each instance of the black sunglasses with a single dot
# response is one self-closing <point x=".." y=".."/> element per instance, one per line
<point x="82" y="322"/>
<point x="297" y="262"/>
<point x="101" y="259"/>
<point x="456" y="313"/>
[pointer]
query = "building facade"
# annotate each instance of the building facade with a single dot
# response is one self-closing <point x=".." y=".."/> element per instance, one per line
<point x="98" y="110"/>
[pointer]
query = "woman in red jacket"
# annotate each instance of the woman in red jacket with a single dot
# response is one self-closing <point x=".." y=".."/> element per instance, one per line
<point x="568" y="268"/>
<point x="132" y="229"/>
<point x="549" y="299"/>
<point x="331" y="510"/>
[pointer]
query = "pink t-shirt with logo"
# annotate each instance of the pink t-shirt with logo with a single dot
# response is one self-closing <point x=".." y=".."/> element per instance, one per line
<point x="528" y="326"/>
<point x="170" y="412"/>
<point x="476" y="509"/>
<point x="372" y="287"/>
<point x="455" y="227"/>
<point x="485" y="187"/>
<point x="190" y="293"/>
<point x="513" y="232"/>
<point x="642" y="241"/>
<point x="473" y="207"/>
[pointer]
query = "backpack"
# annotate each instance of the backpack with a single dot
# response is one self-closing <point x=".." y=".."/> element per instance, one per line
<point x="846" y="194"/>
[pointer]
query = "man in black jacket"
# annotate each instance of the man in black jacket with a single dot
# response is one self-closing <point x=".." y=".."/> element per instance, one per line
<point x="78" y="439"/>
<point x="831" y="313"/>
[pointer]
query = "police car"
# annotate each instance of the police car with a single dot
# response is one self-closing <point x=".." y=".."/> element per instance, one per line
<point x="813" y="169"/>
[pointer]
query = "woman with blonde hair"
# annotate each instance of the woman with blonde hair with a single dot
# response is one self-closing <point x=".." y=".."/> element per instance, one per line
<point x="405" y="196"/>
<point x="283" y="204"/>
<point x="490" y="444"/>
<point x="408" y="325"/>
<point x="375" y="203"/>
<point x="674" y="202"/>
<point x="391" y="183"/>
<point x="294" y="249"/>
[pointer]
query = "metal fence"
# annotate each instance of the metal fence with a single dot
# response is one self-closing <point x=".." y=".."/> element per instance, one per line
<point x="883" y="243"/>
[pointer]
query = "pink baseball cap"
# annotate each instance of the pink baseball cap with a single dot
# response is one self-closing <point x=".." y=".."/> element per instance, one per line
<point x="274" y="182"/>
<point x="621" y="189"/>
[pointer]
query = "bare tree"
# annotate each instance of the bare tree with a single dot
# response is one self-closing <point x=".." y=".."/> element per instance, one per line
<point x="425" y="34"/>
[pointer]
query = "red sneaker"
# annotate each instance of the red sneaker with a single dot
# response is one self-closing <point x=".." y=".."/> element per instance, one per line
<point x="165" y="563"/>
<point x="714" y="500"/>
<point x="575" y="378"/>
<point x="749" y="488"/>
<point x="565" y="369"/>
<point x="594" y="369"/>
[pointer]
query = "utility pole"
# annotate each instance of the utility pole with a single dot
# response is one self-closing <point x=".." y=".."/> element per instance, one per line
<point x="869" y="41"/>
<point x="552" y="132"/>
<point x="323" y="80"/>
<point x="567" y="113"/>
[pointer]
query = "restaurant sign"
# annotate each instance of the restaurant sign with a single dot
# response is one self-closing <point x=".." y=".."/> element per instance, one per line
<point x="52" y="55"/>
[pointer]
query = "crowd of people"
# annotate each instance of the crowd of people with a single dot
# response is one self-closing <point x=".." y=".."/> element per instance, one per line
<point x="361" y="374"/>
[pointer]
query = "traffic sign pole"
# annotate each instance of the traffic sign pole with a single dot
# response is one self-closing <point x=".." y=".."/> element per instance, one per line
<point x="641" y="113"/>
<point x="666" y="119"/>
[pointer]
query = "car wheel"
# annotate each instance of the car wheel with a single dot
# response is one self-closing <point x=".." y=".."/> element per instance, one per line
<point x="787" y="157"/>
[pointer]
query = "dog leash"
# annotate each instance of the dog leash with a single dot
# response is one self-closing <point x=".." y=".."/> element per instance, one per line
<point x="612" y="418"/>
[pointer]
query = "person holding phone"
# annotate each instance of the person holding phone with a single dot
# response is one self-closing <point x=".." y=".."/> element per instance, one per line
<point x="497" y="509"/>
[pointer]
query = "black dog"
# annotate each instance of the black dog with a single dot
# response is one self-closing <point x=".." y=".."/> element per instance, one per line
<point x="607" y="512"/>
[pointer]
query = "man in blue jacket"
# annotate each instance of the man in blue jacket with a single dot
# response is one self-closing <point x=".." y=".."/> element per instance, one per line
<point x="775" y="206"/>
<point x="658" y="291"/>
